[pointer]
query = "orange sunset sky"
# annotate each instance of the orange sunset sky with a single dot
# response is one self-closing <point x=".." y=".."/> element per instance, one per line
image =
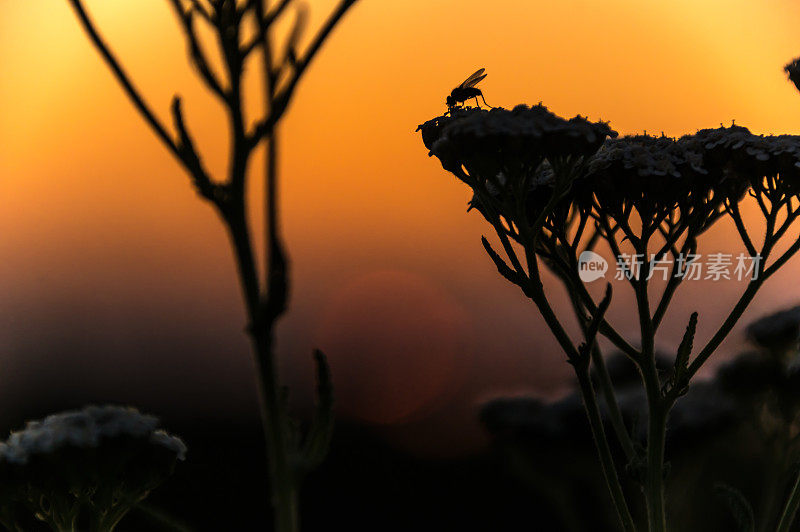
<point x="117" y="281"/>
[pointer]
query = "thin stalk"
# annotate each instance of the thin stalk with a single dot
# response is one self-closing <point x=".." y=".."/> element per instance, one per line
<point x="283" y="483"/>
<point x="264" y="305"/>
<point x="615" y="415"/>
<point x="746" y="297"/>
<point x="654" y="485"/>
<point x="771" y="488"/>
<point x="689" y="246"/>
<point x="790" y="510"/>
<point x="273" y="415"/>
<point x="603" y="449"/>
<point x="656" y="442"/>
<point x="606" y="385"/>
<point x="573" y="283"/>
<point x="122" y="77"/>
<point x="657" y="419"/>
<point x="536" y="292"/>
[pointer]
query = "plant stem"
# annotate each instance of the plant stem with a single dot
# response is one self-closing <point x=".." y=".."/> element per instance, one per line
<point x="603" y="449"/>
<point x="790" y="510"/>
<point x="606" y="385"/>
<point x="283" y="483"/>
<point x="264" y="307"/>
<point x="654" y="486"/>
<point x="610" y="397"/>
<point x="658" y="409"/>
<point x="535" y="291"/>
<point x="770" y="491"/>
<point x="273" y="409"/>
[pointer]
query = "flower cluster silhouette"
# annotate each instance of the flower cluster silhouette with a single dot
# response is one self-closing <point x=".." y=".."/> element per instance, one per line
<point x="554" y="188"/>
<point x="84" y="469"/>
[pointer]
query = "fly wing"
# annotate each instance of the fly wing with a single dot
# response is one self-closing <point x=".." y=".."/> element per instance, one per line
<point x="473" y="79"/>
<point x="474" y="82"/>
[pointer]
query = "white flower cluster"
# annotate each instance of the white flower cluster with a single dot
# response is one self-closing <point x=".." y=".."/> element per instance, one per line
<point x="759" y="147"/>
<point x="648" y="156"/>
<point x="525" y="123"/>
<point x="733" y="138"/>
<point x="85" y="428"/>
<point x="665" y="156"/>
<point x="514" y="142"/>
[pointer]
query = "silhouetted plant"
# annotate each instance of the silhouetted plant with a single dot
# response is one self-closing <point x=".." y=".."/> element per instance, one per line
<point x="553" y="189"/>
<point x="738" y="432"/>
<point x="84" y="469"/>
<point x="548" y="445"/>
<point x="243" y="31"/>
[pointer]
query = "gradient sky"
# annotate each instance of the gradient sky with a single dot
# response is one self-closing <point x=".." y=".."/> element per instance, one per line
<point x="117" y="280"/>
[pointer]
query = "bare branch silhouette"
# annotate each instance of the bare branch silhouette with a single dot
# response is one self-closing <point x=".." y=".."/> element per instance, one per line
<point x="289" y="456"/>
<point x="198" y="57"/>
<point x="122" y="77"/>
<point x="283" y="98"/>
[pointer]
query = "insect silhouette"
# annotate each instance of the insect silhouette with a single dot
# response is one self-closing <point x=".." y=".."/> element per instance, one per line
<point x="467" y="90"/>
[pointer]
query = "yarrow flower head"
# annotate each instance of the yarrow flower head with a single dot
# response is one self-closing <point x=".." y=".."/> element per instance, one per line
<point x="694" y="176"/>
<point x="523" y="162"/>
<point x="527" y="135"/>
<point x="87" y="466"/>
<point x="502" y="154"/>
<point x="651" y="174"/>
<point x="751" y="159"/>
